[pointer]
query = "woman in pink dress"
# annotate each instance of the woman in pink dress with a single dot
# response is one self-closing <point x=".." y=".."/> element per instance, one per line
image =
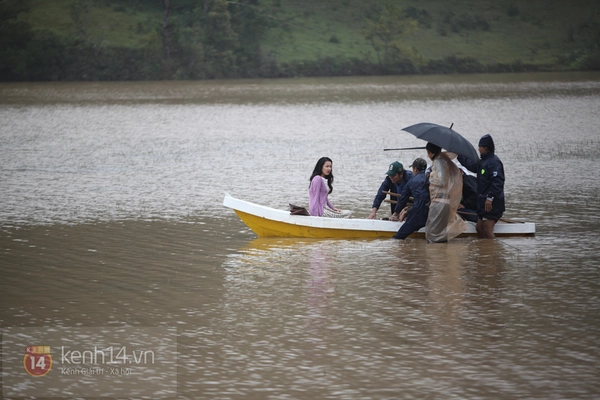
<point x="321" y="184"/>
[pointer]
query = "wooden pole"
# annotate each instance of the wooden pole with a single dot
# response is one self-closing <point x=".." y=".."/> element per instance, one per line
<point x="406" y="148"/>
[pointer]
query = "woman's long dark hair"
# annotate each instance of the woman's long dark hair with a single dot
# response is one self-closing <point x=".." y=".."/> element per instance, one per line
<point x="319" y="170"/>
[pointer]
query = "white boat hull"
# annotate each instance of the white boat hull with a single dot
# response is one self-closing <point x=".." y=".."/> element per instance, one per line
<point x="270" y="222"/>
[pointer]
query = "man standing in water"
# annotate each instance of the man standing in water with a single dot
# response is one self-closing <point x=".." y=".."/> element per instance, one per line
<point x="445" y="190"/>
<point x="418" y="188"/>
<point x="490" y="186"/>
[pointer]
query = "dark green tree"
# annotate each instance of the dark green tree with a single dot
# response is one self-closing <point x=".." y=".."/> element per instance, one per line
<point x="221" y="40"/>
<point x="190" y="41"/>
<point x="167" y="32"/>
<point x="15" y="36"/>
<point x="79" y="12"/>
<point x="384" y="31"/>
<point x="250" y="20"/>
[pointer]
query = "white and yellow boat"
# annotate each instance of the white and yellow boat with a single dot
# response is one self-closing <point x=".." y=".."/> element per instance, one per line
<point x="270" y="222"/>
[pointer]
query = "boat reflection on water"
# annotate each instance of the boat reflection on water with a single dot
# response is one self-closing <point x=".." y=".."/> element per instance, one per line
<point x="366" y="314"/>
<point x="445" y="285"/>
<point x="453" y="279"/>
<point x="465" y="287"/>
<point x="311" y="265"/>
<point x="320" y="288"/>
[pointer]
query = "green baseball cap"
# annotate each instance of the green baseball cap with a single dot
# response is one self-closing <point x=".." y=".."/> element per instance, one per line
<point x="395" y="168"/>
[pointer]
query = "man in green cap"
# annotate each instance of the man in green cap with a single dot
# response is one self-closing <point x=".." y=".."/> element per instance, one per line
<point x="395" y="180"/>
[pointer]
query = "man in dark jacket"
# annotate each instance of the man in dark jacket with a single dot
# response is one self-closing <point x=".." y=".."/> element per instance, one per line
<point x="418" y="188"/>
<point x="395" y="180"/>
<point x="490" y="186"/>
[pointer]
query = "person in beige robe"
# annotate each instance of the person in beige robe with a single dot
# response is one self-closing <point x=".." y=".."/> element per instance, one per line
<point x="445" y="190"/>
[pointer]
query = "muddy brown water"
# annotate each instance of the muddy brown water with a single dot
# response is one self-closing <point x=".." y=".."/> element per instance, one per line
<point x="111" y="217"/>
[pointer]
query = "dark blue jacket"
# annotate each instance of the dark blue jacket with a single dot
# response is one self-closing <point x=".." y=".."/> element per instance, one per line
<point x="490" y="175"/>
<point x="388" y="186"/>
<point x="418" y="188"/>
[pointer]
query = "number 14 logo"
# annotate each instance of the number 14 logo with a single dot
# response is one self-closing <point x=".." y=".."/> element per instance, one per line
<point x="37" y="360"/>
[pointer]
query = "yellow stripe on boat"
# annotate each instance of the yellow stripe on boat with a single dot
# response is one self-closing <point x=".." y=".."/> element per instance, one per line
<point x="268" y="228"/>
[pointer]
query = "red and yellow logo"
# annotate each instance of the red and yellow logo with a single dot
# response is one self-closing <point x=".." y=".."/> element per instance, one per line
<point x="37" y="360"/>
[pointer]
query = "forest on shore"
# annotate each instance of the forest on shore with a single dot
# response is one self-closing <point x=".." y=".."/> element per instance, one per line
<point x="113" y="40"/>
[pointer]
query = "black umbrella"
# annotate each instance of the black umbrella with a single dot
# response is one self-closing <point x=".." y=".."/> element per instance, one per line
<point x="446" y="138"/>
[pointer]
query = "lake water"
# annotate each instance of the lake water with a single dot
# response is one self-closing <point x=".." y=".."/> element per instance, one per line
<point x="111" y="217"/>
